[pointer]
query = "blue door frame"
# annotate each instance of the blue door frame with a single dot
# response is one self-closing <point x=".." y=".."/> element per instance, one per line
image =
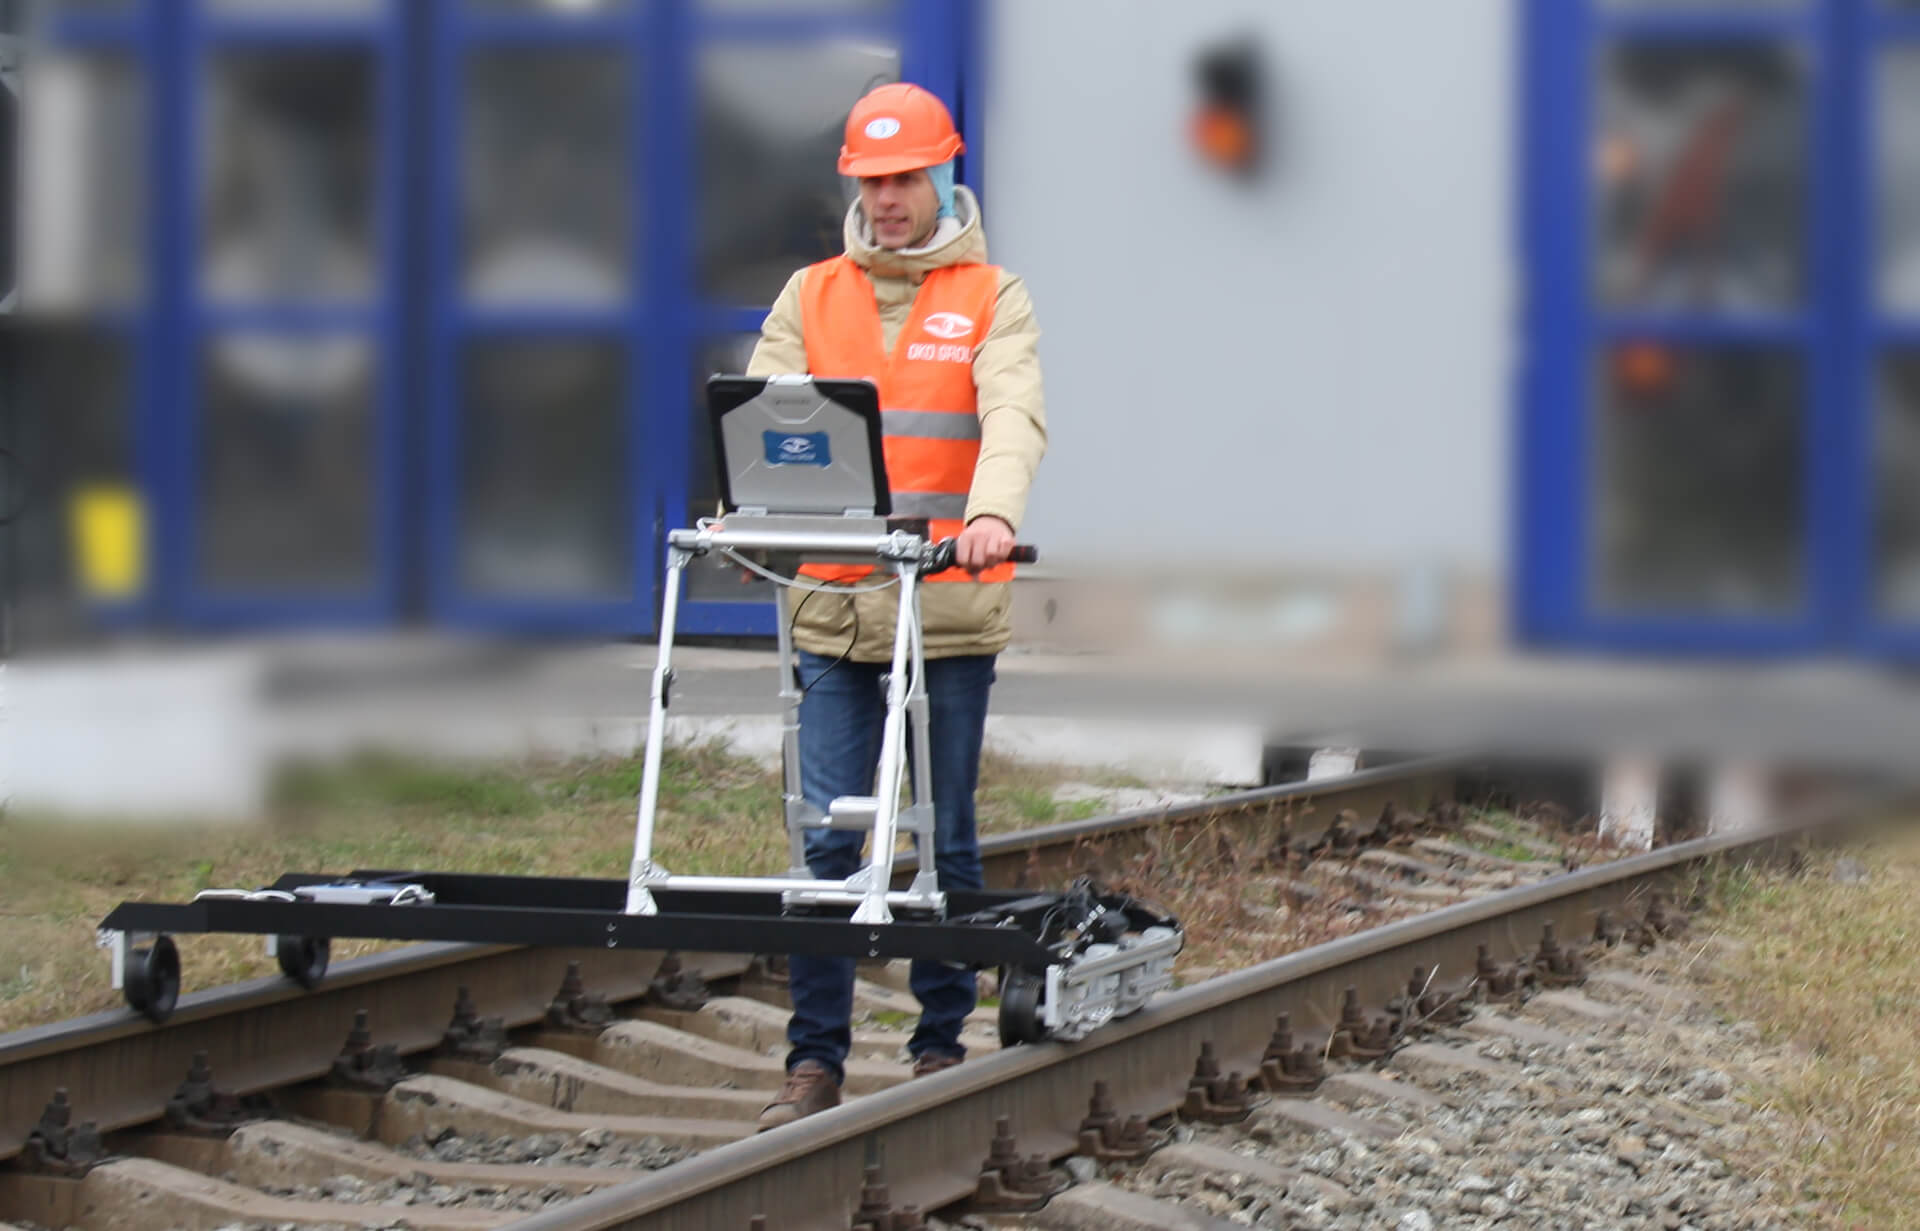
<point x="665" y="319"/>
<point x="136" y="36"/>
<point x="416" y="321"/>
<point x="195" y="33"/>
<point x="1836" y="331"/>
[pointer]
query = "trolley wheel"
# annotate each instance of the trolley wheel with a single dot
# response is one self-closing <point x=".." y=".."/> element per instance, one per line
<point x="150" y="979"/>
<point x="303" y="958"/>
<point x="1020" y="994"/>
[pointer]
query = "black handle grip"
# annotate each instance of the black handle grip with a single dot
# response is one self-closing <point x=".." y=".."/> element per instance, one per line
<point x="941" y="558"/>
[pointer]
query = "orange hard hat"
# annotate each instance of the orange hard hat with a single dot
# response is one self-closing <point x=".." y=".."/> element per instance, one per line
<point x="898" y="127"/>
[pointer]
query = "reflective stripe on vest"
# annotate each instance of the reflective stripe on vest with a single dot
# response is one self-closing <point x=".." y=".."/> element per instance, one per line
<point x="929" y="408"/>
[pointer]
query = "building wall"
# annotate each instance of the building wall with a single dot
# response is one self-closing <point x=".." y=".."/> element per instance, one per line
<point x="1307" y="372"/>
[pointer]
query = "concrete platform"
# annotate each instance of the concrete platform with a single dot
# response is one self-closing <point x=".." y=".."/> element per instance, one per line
<point x="166" y="729"/>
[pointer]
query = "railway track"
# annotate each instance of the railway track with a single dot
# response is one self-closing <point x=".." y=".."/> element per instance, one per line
<point x="626" y="1098"/>
<point x="1599" y="1104"/>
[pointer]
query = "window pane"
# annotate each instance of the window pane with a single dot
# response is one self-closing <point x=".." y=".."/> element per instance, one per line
<point x="1702" y="6"/>
<point x="564" y="8"/>
<point x="785" y="7"/>
<point x="83" y="183"/>
<point x="59" y="8"/>
<point x="771" y="121"/>
<point x="58" y="464"/>
<point x="1896" y="458"/>
<point x="1700" y="177"/>
<point x="287" y="463"/>
<point x="713" y="578"/>
<point x="297" y="8"/>
<point x="1897" y="158"/>
<point x="546" y="503"/>
<point x="1698" y="495"/>
<point x="547" y="192"/>
<point x="287" y="194"/>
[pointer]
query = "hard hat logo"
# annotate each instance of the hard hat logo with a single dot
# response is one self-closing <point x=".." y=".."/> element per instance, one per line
<point x="898" y="127"/>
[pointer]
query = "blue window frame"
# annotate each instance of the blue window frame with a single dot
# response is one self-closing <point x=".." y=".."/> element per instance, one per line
<point x="1885" y="212"/>
<point x="732" y="114"/>
<point x="1708" y="358"/>
<point x="124" y="322"/>
<point x="282" y="308"/>
<point x="358" y="394"/>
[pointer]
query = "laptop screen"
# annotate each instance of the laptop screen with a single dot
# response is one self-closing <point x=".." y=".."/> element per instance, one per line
<point x="797" y="445"/>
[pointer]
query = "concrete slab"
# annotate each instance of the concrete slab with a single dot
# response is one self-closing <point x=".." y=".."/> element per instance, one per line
<point x="1627" y="987"/>
<point x="1463" y="855"/>
<point x="135" y="1194"/>
<point x="757" y="1026"/>
<point x="1241" y="1169"/>
<point x="568" y="1083"/>
<point x="428" y="1106"/>
<point x="1336" y="874"/>
<point x="1527" y="1034"/>
<point x="1434" y="871"/>
<point x="657" y="1053"/>
<point x="1365" y="1088"/>
<point x="1493" y="835"/>
<point x="1103" y="1207"/>
<point x="277" y="1152"/>
<point x="1445" y="1062"/>
<point x="1306" y="1117"/>
<point x="1568" y="1007"/>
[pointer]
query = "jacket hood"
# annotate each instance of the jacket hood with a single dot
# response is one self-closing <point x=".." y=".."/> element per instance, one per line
<point x="956" y="241"/>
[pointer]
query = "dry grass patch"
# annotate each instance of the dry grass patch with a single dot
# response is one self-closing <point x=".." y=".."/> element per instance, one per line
<point x="1233" y="900"/>
<point x="1015" y="795"/>
<point x="1828" y="964"/>
<point x="718" y="813"/>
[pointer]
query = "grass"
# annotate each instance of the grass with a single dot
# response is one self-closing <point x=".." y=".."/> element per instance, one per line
<point x="718" y="813"/>
<point x="1230" y="897"/>
<point x="1014" y="795"/>
<point x="1511" y="843"/>
<point x="1828" y="970"/>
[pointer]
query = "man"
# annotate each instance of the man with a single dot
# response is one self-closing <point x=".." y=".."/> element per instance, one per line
<point x="951" y="343"/>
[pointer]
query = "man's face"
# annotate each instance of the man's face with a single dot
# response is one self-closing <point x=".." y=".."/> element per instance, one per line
<point x="903" y="208"/>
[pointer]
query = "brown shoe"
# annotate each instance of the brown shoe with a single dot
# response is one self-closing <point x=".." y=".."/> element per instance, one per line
<point x="932" y="1062"/>
<point x="810" y="1087"/>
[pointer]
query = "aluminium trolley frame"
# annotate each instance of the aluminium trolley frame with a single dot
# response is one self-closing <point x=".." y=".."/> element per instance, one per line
<point x="1071" y="960"/>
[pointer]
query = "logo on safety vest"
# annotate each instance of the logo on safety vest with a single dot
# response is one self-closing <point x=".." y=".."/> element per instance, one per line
<point x="882" y="128"/>
<point x="949" y="325"/>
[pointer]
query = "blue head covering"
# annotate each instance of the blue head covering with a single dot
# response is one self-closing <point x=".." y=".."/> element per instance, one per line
<point x="942" y="177"/>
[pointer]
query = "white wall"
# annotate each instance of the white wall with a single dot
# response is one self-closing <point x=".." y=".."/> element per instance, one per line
<point x="1320" y="362"/>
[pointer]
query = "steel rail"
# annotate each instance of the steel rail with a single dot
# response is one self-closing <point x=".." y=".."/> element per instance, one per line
<point x="120" y="1070"/>
<point x="931" y="1135"/>
<point x="1302" y="811"/>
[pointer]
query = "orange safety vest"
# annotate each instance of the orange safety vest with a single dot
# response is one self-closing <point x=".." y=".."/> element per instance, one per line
<point x="929" y="408"/>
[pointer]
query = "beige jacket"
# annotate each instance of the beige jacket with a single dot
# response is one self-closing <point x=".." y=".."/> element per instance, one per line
<point x="958" y="618"/>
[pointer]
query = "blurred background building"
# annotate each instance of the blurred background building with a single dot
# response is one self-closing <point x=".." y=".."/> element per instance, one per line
<point x="1550" y="323"/>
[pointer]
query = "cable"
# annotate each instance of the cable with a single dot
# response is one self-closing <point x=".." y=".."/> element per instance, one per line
<point x="854" y="608"/>
<point x="794" y="582"/>
<point x="812" y="588"/>
<point x="12" y="514"/>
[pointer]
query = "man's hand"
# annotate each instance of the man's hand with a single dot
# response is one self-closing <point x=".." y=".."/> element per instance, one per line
<point x="987" y="541"/>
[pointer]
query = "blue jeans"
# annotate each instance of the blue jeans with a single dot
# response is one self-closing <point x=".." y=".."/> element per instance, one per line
<point x="840" y="725"/>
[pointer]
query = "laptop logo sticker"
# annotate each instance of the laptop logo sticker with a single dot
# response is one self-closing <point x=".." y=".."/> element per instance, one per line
<point x="797" y="448"/>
